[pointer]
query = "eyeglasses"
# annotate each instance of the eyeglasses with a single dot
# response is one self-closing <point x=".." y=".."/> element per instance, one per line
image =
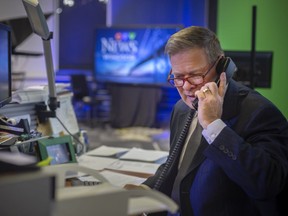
<point x="193" y="80"/>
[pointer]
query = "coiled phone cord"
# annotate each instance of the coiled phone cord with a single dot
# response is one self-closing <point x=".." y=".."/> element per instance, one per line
<point x="174" y="153"/>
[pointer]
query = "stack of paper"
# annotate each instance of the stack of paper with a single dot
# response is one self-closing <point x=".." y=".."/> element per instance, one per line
<point x="107" y="151"/>
<point x="96" y="163"/>
<point x="135" y="154"/>
<point x="134" y="166"/>
<point x="33" y="94"/>
<point x="138" y="154"/>
<point x="120" y="180"/>
<point x="134" y="160"/>
<point x="140" y="162"/>
<point x="29" y="96"/>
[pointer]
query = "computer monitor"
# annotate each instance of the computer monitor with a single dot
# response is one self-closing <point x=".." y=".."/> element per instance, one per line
<point x="5" y="65"/>
<point x="262" y="72"/>
<point x="60" y="149"/>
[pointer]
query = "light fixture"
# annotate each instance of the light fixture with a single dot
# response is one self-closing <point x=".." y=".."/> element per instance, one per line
<point x="69" y="3"/>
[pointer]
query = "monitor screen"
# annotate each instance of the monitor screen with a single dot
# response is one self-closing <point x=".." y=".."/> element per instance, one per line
<point x="132" y="55"/>
<point x="5" y="65"/>
<point x="59" y="149"/>
<point x="263" y="67"/>
<point x="59" y="153"/>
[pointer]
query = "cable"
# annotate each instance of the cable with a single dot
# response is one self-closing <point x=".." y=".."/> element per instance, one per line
<point x="75" y="137"/>
<point x="174" y="152"/>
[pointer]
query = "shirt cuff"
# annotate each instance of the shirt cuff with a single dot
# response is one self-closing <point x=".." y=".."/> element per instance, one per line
<point x="213" y="130"/>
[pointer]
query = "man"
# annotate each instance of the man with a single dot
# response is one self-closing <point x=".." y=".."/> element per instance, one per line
<point x="238" y="164"/>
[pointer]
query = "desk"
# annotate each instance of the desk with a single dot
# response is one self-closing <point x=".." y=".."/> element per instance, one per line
<point x="45" y="188"/>
<point x="122" y="161"/>
<point x="27" y="193"/>
<point x="74" y="201"/>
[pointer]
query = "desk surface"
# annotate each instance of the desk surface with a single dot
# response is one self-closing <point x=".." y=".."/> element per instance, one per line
<point x="120" y="171"/>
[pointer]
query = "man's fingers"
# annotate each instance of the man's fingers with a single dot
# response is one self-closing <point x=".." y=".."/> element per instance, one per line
<point x="200" y="95"/>
<point x="222" y="84"/>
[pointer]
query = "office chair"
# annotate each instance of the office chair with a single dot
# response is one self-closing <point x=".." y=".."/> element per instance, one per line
<point x="87" y="93"/>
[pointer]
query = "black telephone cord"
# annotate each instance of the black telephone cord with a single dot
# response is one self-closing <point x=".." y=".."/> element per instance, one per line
<point x="174" y="152"/>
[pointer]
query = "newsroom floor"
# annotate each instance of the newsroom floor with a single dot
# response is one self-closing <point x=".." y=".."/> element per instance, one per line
<point x="140" y="137"/>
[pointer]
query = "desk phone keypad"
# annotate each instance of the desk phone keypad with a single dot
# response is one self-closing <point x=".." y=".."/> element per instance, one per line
<point x="84" y="181"/>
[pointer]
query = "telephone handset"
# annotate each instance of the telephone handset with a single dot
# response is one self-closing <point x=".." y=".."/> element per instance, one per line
<point x="226" y="65"/>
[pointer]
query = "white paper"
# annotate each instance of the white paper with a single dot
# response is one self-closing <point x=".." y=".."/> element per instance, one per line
<point x="133" y="166"/>
<point x="66" y="114"/>
<point x="33" y="94"/>
<point x="95" y="163"/>
<point x="107" y="151"/>
<point x="29" y="96"/>
<point x="144" y="155"/>
<point x="120" y="180"/>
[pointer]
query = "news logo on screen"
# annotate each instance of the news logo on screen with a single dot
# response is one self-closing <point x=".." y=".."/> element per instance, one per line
<point x="132" y="55"/>
<point x="122" y="46"/>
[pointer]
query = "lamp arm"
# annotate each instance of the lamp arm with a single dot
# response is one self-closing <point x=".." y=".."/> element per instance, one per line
<point x="52" y="101"/>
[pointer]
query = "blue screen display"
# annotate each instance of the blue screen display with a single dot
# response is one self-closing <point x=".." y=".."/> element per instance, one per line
<point x="5" y="65"/>
<point x="132" y="55"/>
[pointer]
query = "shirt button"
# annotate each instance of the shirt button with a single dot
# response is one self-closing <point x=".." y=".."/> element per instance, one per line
<point x="221" y="147"/>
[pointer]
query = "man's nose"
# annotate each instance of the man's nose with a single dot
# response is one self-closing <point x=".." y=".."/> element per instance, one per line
<point x="187" y="85"/>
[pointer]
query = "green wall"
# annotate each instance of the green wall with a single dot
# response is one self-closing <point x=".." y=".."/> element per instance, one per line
<point x="234" y="29"/>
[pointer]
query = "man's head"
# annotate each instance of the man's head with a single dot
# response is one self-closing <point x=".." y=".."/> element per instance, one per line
<point x="195" y="37"/>
<point x="193" y="52"/>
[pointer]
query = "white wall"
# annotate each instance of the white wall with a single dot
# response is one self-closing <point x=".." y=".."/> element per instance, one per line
<point x="34" y="67"/>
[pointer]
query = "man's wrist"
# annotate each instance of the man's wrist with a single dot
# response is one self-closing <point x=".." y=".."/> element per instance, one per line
<point x="213" y="130"/>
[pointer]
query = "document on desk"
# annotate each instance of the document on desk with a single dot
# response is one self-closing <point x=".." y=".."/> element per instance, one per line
<point x="138" y="154"/>
<point x="107" y="151"/>
<point x="101" y="163"/>
<point x="96" y="163"/>
<point x="134" y="166"/>
<point x="120" y="180"/>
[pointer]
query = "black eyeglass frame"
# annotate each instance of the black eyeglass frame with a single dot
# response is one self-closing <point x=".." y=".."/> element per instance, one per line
<point x="170" y="80"/>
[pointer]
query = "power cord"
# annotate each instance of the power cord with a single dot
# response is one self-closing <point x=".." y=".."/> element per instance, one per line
<point x="83" y="145"/>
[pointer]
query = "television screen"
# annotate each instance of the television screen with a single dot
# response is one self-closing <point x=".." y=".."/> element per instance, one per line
<point x="5" y="65"/>
<point x="262" y="72"/>
<point x="132" y="55"/>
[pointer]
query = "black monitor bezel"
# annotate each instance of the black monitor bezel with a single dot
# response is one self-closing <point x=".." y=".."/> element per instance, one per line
<point x="262" y="77"/>
<point x="9" y="97"/>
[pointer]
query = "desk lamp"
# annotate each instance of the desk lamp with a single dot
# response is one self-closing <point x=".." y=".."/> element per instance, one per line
<point x="40" y="27"/>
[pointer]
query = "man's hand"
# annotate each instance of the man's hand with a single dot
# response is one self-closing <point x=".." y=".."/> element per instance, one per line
<point x="210" y="103"/>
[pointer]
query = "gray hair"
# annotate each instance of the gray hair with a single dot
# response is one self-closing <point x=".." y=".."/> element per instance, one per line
<point x="195" y="37"/>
